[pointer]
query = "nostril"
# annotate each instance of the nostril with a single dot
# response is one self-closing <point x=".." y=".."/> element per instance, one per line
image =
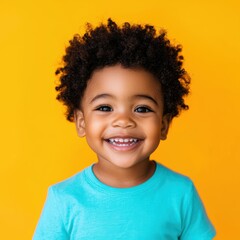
<point x="124" y="123"/>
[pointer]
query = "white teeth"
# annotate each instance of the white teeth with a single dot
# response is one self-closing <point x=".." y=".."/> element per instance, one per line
<point x="122" y="140"/>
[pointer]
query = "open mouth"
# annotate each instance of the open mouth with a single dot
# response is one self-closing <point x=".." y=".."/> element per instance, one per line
<point x="123" y="142"/>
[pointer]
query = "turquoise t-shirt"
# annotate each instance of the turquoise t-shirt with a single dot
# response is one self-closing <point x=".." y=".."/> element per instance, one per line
<point x="165" y="207"/>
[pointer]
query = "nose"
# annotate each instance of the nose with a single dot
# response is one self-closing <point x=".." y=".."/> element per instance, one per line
<point x="123" y="120"/>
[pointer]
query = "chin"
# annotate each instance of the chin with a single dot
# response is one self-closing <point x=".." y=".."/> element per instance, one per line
<point x="123" y="164"/>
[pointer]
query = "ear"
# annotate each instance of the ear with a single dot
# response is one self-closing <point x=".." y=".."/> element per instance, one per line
<point x="166" y="120"/>
<point x="79" y="122"/>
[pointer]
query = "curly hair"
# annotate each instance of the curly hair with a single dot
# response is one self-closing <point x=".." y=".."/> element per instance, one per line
<point x="132" y="46"/>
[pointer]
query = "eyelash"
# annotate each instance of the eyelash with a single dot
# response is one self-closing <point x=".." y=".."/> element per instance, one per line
<point x="145" y="108"/>
<point x="106" y="108"/>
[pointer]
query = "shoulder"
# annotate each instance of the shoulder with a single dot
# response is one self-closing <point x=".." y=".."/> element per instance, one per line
<point x="183" y="194"/>
<point x="175" y="185"/>
<point x="71" y="185"/>
<point x="173" y="179"/>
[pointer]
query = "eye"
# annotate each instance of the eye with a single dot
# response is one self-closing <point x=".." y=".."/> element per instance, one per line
<point x="143" y="109"/>
<point x="104" y="108"/>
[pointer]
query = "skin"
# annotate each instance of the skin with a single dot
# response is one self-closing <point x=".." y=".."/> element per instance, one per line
<point x="122" y="104"/>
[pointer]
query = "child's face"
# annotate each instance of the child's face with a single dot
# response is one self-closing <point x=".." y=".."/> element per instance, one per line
<point x="122" y="115"/>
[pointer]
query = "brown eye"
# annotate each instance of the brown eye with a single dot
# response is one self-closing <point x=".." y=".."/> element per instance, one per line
<point x="104" y="109"/>
<point x="143" y="110"/>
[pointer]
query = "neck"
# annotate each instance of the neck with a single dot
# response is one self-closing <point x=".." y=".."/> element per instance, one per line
<point x="114" y="176"/>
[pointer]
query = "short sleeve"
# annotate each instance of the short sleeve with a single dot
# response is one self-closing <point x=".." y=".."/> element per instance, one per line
<point x="196" y="224"/>
<point x="50" y="225"/>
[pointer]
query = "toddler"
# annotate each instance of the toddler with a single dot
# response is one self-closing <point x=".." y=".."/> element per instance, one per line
<point x="122" y="86"/>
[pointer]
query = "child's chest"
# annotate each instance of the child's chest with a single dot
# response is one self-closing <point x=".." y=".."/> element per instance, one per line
<point x="140" y="217"/>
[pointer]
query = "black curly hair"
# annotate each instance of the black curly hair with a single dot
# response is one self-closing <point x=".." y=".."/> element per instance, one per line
<point x="132" y="46"/>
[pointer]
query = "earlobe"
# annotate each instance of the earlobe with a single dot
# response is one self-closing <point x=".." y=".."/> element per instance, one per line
<point x="79" y="122"/>
<point x="165" y="126"/>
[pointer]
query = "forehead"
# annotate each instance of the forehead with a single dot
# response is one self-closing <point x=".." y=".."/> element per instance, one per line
<point x="122" y="82"/>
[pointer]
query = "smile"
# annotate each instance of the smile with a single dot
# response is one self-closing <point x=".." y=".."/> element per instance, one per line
<point x="123" y="144"/>
<point x="123" y="141"/>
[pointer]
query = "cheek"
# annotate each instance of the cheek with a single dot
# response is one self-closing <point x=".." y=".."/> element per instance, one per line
<point x="94" y="126"/>
<point x="153" y="126"/>
<point x="154" y="132"/>
<point x="93" y="133"/>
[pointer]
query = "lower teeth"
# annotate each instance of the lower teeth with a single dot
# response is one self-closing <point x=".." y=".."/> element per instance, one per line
<point x="123" y="144"/>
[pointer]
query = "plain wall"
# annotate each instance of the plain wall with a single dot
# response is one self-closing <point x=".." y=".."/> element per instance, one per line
<point x="39" y="147"/>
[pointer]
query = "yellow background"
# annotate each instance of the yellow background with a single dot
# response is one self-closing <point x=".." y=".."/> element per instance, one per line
<point x="39" y="147"/>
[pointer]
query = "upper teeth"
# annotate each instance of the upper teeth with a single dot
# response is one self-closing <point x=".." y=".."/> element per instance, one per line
<point x="121" y="140"/>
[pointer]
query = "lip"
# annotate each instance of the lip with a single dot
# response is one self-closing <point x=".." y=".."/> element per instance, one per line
<point x="122" y="145"/>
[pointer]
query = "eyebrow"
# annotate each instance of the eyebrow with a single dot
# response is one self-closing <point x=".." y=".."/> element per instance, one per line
<point x="105" y="95"/>
<point x="148" y="97"/>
